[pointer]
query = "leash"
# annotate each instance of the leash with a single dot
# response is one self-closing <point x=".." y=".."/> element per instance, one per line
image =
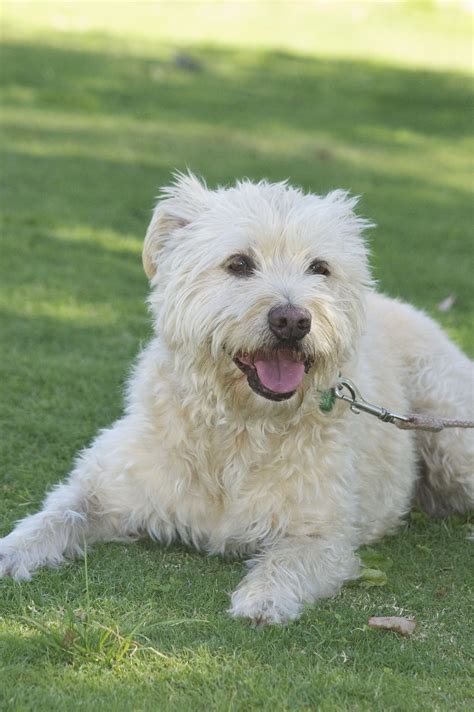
<point x="347" y="391"/>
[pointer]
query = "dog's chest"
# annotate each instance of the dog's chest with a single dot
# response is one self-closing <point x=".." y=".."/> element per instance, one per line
<point x="250" y="484"/>
<point x="246" y="458"/>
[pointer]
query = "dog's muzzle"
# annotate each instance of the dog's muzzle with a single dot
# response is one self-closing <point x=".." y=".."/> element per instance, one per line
<point x="275" y="373"/>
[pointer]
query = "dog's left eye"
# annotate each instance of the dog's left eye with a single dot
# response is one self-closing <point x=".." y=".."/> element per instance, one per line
<point x="240" y="265"/>
<point x="319" y="267"/>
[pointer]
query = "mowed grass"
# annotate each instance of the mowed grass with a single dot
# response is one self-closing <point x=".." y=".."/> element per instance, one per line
<point x="98" y="108"/>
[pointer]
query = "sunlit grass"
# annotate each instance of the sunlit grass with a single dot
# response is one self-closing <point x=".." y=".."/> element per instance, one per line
<point x="411" y="33"/>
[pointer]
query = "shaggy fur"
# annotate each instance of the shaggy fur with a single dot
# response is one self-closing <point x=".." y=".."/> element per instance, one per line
<point x="203" y="456"/>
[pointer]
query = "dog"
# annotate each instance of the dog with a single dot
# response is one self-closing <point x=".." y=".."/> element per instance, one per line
<point x="261" y="297"/>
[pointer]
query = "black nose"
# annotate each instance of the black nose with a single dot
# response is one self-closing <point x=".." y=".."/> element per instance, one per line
<point x="289" y="323"/>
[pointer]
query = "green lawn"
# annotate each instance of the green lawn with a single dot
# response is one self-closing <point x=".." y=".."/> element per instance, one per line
<point x="100" y="102"/>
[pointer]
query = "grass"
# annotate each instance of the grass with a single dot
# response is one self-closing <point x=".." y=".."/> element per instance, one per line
<point x="96" y="112"/>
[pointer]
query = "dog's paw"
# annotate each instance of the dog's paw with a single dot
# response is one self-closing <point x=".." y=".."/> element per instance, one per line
<point x="12" y="566"/>
<point x="262" y="610"/>
<point x="13" y="563"/>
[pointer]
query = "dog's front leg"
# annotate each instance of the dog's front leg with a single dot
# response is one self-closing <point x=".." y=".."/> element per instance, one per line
<point x="46" y="538"/>
<point x="293" y="571"/>
<point x="95" y="504"/>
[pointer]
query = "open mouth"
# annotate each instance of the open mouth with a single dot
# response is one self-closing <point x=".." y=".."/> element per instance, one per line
<point x="274" y="374"/>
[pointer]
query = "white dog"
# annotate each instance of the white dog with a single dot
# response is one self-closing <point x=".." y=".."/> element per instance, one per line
<point x="261" y="297"/>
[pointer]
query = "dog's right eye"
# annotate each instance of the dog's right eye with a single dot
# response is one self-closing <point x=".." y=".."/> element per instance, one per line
<point x="240" y="266"/>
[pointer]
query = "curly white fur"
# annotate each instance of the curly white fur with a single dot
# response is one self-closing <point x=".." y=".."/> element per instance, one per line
<point x="200" y="456"/>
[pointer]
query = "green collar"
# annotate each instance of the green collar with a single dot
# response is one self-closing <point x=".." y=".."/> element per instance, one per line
<point x="327" y="400"/>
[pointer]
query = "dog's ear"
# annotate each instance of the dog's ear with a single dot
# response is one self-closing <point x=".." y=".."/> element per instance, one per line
<point x="178" y="205"/>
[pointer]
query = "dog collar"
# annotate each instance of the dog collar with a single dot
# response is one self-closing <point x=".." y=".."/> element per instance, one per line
<point x="327" y="400"/>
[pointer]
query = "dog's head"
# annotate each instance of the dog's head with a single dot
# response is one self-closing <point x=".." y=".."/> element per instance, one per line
<point x="258" y="284"/>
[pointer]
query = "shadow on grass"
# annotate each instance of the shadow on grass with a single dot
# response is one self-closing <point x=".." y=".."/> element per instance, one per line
<point x="91" y="135"/>
<point x="246" y="89"/>
<point x="93" y="104"/>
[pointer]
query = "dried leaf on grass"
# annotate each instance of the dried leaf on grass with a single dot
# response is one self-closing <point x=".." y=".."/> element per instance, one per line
<point x="397" y="624"/>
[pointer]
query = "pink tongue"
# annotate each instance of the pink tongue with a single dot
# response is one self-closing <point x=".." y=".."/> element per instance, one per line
<point x="280" y="373"/>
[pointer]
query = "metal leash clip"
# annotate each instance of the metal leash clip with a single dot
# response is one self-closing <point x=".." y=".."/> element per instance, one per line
<point x="358" y="404"/>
